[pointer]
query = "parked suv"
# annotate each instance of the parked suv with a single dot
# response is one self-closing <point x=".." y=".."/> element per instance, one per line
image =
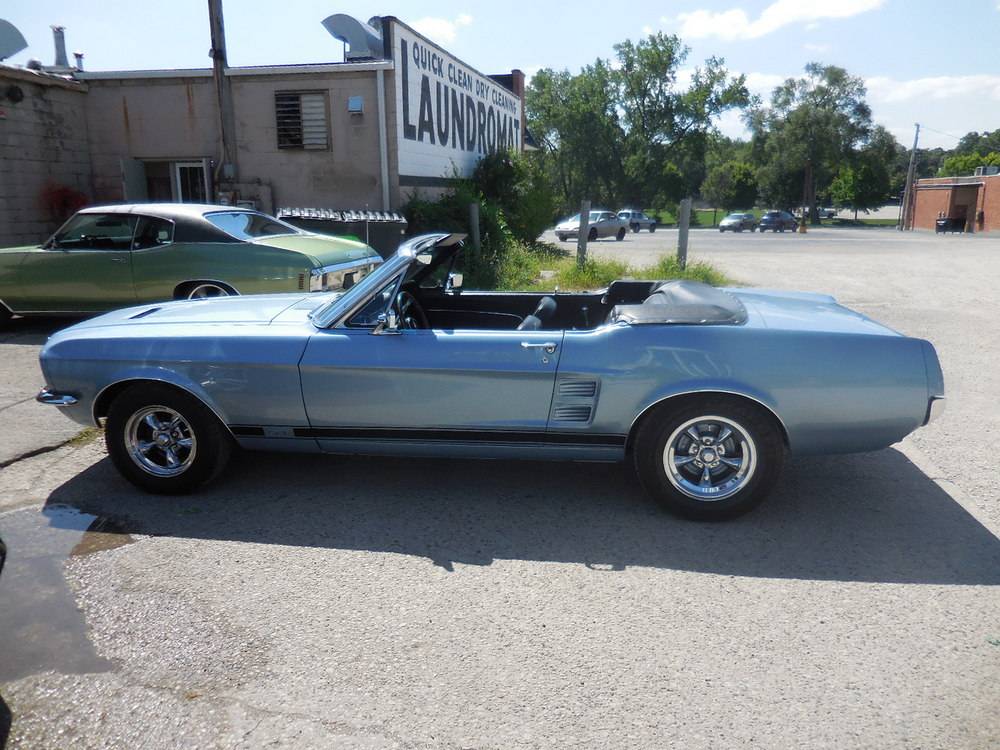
<point x="637" y="220"/>
<point x="777" y="221"/>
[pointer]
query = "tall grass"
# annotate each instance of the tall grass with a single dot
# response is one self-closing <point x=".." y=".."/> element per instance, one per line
<point x="523" y="266"/>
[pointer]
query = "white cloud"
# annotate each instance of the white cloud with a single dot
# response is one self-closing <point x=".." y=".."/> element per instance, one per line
<point x="821" y="48"/>
<point x="442" y="30"/>
<point x="736" y="24"/>
<point x="888" y="90"/>
<point x="647" y="30"/>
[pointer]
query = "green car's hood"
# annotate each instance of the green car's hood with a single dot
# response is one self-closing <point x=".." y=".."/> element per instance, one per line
<point x="325" y="251"/>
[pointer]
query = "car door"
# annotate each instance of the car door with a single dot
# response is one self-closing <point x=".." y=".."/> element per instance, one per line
<point x="85" y="267"/>
<point x="421" y="388"/>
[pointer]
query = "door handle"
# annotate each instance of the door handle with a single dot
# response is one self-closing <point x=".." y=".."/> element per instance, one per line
<point x="118" y="260"/>
<point x="548" y="346"/>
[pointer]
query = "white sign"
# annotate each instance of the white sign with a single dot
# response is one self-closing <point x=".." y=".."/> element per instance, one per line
<point x="447" y="115"/>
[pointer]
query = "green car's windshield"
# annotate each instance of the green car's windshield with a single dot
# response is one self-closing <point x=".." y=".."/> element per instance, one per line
<point x="249" y="225"/>
<point x="96" y="232"/>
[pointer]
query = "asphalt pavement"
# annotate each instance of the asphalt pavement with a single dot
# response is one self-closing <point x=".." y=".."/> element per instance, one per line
<point x="314" y="602"/>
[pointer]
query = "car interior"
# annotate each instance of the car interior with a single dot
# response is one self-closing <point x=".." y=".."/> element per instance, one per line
<point x="428" y="299"/>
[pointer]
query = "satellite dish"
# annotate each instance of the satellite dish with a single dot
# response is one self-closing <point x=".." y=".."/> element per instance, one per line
<point x="11" y="40"/>
<point x="363" y="41"/>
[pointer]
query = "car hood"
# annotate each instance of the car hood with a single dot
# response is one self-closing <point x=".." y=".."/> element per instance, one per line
<point x="258" y="309"/>
<point x="323" y="249"/>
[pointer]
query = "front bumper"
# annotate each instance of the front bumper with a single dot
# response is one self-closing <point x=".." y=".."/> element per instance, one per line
<point x="341" y="276"/>
<point x="53" y="398"/>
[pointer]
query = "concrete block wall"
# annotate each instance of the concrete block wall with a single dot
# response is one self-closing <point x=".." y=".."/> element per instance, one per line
<point x="43" y="145"/>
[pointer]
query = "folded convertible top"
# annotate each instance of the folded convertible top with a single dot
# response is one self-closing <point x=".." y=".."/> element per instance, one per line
<point x="683" y="303"/>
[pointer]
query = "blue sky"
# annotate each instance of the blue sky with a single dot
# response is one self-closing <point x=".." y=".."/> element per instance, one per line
<point x="927" y="62"/>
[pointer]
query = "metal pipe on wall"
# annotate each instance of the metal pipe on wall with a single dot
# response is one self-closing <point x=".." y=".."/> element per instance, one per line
<point x="383" y="146"/>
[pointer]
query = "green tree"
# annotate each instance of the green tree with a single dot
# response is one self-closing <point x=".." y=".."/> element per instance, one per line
<point x="862" y="187"/>
<point x="813" y="125"/>
<point x="620" y="133"/>
<point x="965" y="164"/>
<point x="979" y="143"/>
<point x="730" y="185"/>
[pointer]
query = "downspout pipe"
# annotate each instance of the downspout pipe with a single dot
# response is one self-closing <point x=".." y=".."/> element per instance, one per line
<point x="383" y="145"/>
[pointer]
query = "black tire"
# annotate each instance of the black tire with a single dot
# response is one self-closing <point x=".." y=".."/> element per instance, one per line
<point x="635" y="227"/>
<point x="721" y="230"/>
<point x="652" y="227"/>
<point x="561" y="237"/>
<point x="592" y="235"/>
<point x="621" y="234"/>
<point x="5" y="315"/>
<point x="212" y="444"/>
<point x="766" y="446"/>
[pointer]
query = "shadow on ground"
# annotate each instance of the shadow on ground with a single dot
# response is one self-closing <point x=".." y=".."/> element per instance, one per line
<point x="33" y="330"/>
<point x="873" y="517"/>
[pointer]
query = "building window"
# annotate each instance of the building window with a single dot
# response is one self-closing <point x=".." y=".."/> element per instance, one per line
<point x="301" y="119"/>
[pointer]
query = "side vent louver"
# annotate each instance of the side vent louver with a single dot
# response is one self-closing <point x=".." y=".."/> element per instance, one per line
<point x="575" y="401"/>
<point x="572" y="414"/>
<point x="578" y="388"/>
<point x="144" y="313"/>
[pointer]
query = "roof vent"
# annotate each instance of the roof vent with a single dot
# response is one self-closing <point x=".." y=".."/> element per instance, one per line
<point x="363" y="41"/>
<point x="59" y="37"/>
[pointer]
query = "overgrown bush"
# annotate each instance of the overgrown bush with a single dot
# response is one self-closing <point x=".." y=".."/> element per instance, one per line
<point x="515" y="183"/>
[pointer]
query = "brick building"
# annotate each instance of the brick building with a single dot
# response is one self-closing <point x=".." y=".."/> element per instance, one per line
<point x="972" y="200"/>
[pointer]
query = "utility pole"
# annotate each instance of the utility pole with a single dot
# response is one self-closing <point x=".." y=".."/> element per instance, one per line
<point x="908" y="192"/>
<point x="223" y="91"/>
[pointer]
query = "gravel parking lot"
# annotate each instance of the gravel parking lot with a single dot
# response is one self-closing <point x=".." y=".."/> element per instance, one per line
<point x="385" y="603"/>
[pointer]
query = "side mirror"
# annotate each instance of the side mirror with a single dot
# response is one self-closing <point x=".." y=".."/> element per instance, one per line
<point x="454" y="281"/>
<point x="387" y="324"/>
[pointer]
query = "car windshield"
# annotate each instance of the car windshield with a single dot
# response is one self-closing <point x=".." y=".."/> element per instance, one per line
<point x="735" y="216"/>
<point x="248" y="225"/>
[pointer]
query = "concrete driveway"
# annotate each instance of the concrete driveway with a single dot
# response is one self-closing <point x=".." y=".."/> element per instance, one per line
<point x="384" y="603"/>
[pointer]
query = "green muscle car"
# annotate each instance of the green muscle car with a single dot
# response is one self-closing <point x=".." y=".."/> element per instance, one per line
<point x="106" y="257"/>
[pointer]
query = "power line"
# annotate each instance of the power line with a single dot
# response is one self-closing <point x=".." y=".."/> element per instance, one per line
<point x="941" y="132"/>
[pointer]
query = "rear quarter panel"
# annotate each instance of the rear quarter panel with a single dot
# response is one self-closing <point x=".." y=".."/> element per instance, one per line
<point x="833" y="392"/>
<point x="10" y="259"/>
<point x="250" y="268"/>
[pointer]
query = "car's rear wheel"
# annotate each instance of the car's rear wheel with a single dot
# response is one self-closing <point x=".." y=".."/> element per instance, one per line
<point x="621" y="234"/>
<point x="561" y="237"/>
<point x="635" y="227"/>
<point x="709" y="458"/>
<point x="165" y="441"/>
<point x="5" y="315"/>
<point x="722" y="229"/>
<point x="207" y="290"/>
<point x="652" y="227"/>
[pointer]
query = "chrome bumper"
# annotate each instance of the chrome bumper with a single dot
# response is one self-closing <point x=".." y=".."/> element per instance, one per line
<point x="935" y="408"/>
<point x="47" y="396"/>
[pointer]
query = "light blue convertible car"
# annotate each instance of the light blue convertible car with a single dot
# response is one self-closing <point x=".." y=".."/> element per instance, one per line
<point x="702" y="389"/>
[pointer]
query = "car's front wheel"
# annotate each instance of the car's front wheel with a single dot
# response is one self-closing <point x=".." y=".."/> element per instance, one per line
<point x="652" y="227"/>
<point x="165" y="441"/>
<point x="621" y="234"/>
<point x="561" y="237"/>
<point x="710" y="458"/>
<point x="592" y="235"/>
<point x="635" y="227"/>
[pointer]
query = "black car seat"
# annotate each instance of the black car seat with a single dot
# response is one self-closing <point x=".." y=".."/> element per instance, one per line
<point x="543" y="313"/>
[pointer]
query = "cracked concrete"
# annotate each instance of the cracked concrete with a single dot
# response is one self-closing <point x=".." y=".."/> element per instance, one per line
<point x="28" y="426"/>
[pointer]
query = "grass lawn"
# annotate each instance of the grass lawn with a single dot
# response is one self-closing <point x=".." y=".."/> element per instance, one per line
<point x="522" y="270"/>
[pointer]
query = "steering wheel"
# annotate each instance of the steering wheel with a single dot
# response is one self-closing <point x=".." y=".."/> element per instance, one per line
<point x="411" y="314"/>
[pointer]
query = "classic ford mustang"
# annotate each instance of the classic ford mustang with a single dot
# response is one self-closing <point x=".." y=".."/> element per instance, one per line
<point x="105" y="257"/>
<point x="702" y="389"/>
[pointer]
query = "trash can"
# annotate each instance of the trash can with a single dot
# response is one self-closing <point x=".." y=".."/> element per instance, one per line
<point x="382" y="230"/>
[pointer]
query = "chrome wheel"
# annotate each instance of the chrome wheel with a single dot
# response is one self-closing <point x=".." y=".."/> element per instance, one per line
<point x="709" y="458"/>
<point x="207" y="291"/>
<point x="160" y="441"/>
